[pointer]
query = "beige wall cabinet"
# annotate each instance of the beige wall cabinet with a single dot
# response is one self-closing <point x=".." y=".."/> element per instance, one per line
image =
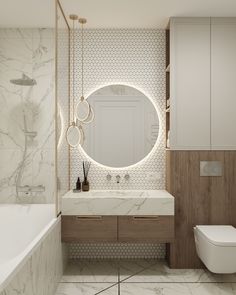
<point x="202" y="83"/>
<point x="223" y="83"/>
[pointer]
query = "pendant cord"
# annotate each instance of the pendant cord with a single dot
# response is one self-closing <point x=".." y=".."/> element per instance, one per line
<point x="82" y="64"/>
<point x="73" y="74"/>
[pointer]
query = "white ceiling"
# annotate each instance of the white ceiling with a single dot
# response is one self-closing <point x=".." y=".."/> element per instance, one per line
<point x="27" y="13"/>
<point x="111" y="13"/>
<point x="144" y="13"/>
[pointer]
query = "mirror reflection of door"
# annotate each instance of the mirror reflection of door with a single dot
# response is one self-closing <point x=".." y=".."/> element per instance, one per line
<point x="125" y="127"/>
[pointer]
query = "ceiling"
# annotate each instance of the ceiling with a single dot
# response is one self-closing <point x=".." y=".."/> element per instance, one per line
<point x="27" y="13"/>
<point x="111" y="13"/>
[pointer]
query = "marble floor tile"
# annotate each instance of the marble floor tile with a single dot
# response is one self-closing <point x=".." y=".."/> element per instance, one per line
<point x="177" y="289"/>
<point x="212" y="289"/>
<point x="86" y="289"/>
<point x="129" y="268"/>
<point x="159" y="272"/>
<point x="91" y="271"/>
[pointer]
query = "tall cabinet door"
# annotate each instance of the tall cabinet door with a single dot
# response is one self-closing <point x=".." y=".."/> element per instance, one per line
<point x="190" y="83"/>
<point x="223" y="83"/>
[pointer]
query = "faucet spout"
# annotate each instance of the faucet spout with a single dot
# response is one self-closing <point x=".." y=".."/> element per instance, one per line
<point x="117" y="178"/>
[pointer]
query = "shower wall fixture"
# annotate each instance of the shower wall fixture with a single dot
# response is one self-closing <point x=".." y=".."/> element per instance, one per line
<point x="28" y="137"/>
<point x="27" y="166"/>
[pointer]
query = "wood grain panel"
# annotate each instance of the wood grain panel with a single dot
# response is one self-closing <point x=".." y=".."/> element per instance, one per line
<point x="89" y="229"/>
<point x="230" y="183"/>
<point x="198" y="200"/>
<point x="146" y="229"/>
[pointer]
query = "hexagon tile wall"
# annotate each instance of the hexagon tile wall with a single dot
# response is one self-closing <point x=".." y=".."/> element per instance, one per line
<point x="134" y="57"/>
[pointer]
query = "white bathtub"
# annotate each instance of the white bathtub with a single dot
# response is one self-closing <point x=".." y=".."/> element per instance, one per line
<point x="22" y="229"/>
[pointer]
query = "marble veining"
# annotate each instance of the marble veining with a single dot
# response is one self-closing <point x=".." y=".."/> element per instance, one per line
<point x="177" y="289"/>
<point x="134" y="277"/>
<point x="87" y="289"/>
<point x="159" y="272"/>
<point x="28" y="51"/>
<point x="157" y="202"/>
<point x="42" y="271"/>
<point x="94" y="271"/>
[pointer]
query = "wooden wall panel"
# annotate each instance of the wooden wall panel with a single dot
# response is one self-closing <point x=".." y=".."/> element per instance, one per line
<point x="198" y="200"/>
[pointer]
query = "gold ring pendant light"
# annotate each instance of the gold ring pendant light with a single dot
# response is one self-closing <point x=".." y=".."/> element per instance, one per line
<point x="74" y="133"/>
<point x="84" y="111"/>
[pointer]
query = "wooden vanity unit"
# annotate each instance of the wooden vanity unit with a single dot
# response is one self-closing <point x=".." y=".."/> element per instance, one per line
<point x="118" y="216"/>
<point x="92" y="229"/>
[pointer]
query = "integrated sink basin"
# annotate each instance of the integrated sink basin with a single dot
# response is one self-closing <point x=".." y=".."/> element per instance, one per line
<point x="118" y="202"/>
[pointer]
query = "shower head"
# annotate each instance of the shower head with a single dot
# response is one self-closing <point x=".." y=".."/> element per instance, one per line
<point x="24" y="81"/>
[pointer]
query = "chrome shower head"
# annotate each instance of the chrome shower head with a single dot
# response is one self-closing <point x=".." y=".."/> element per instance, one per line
<point x="24" y="81"/>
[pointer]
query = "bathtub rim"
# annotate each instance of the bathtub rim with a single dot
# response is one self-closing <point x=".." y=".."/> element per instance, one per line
<point x="14" y="265"/>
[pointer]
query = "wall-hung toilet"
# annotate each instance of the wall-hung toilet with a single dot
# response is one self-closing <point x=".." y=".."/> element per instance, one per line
<point x="216" y="247"/>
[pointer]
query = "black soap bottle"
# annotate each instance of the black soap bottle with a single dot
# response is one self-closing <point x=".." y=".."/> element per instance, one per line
<point x="78" y="186"/>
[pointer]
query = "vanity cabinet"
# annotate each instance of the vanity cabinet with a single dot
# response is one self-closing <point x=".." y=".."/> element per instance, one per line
<point x="89" y="229"/>
<point x="146" y="228"/>
<point x="92" y="229"/>
<point x="202" y="83"/>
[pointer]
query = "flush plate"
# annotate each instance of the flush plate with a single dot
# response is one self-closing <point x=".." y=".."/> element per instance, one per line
<point x="210" y="168"/>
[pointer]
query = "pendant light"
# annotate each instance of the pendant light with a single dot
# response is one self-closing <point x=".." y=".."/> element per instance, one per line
<point x="73" y="133"/>
<point x="84" y="111"/>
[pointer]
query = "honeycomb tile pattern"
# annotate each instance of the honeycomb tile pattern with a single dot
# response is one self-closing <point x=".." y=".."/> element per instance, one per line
<point x="134" y="57"/>
<point x="116" y="251"/>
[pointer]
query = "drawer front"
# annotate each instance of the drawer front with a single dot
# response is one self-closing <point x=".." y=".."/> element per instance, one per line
<point x="89" y="229"/>
<point x="146" y="229"/>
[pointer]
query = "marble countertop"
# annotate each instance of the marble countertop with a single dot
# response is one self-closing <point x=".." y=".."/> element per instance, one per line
<point x="122" y="202"/>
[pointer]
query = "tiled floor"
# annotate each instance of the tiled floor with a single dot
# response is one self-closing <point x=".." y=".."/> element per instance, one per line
<point x="140" y="277"/>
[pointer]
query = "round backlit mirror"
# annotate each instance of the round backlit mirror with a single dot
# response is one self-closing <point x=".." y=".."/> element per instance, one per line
<point x="125" y="127"/>
<point x="73" y="135"/>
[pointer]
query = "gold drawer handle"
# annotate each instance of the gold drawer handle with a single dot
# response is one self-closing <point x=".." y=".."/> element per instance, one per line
<point x="145" y="218"/>
<point x="89" y="218"/>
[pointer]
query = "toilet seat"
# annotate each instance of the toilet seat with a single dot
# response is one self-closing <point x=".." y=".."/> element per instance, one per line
<point x="219" y="235"/>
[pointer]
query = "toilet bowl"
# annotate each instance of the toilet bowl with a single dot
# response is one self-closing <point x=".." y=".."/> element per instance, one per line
<point x="216" y="247"/>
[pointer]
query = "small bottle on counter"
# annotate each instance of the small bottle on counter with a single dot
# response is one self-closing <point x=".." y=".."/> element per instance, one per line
<point x="78" y="186"/>
<point x="85" y="185"/>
